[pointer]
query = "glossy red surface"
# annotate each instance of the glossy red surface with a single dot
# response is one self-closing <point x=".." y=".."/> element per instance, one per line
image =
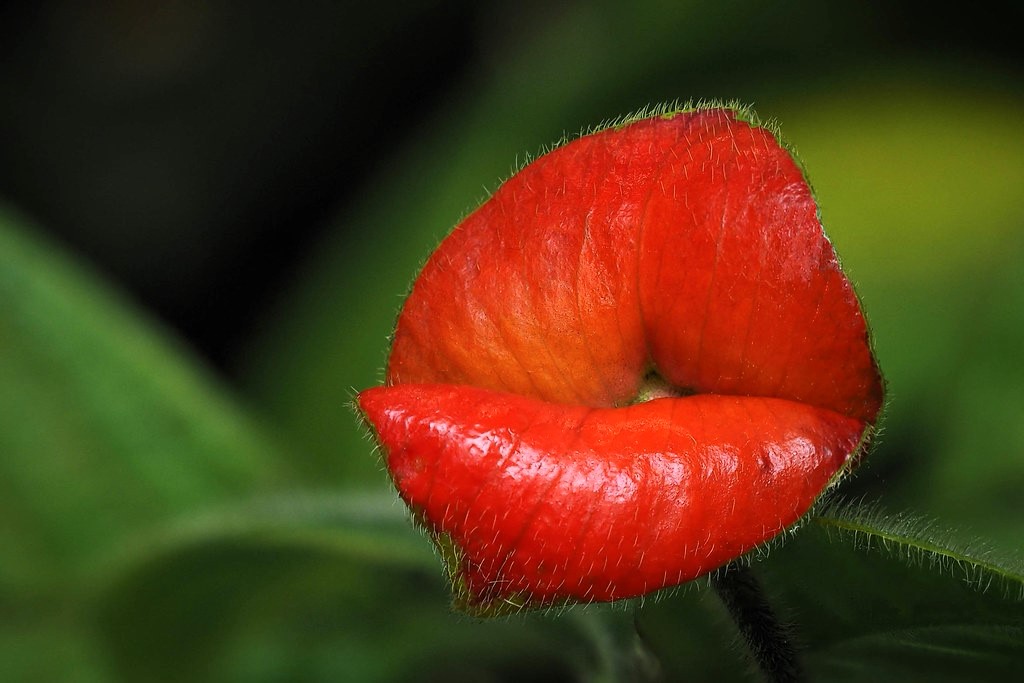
<point x="686" y="245"/>
<point x="551" y="502"/>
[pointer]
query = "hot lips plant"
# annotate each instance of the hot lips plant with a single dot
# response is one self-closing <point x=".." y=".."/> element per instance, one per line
<point x="637" y="361"/>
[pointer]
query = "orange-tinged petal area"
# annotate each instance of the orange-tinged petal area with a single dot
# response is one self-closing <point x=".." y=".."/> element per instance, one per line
<point x="682" y="250"/>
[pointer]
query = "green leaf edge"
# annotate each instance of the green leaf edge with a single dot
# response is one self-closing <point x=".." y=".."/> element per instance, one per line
<point x="340" y="523"/>
<point x="920" y="542"/>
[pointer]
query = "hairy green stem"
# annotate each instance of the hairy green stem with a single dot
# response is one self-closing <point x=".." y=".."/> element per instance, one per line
<point x="769" y="640"/>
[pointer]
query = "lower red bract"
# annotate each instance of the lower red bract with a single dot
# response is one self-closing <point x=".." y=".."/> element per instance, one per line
<point x="549" y="502"/>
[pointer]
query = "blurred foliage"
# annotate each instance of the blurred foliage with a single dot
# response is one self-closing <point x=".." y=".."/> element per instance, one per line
<point x="104" y="430"/>
<point x="268" y="184"/>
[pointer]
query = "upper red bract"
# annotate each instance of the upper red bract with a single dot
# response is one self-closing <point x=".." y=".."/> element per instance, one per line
<point x="688" y="245"/>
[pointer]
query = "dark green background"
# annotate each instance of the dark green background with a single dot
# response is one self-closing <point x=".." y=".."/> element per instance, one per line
<point x="259" y="182"/>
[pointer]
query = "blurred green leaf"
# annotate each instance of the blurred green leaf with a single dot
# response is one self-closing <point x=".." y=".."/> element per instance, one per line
<point x="43" y="641"/>
<point x="333" y="587"/>
<point x="869" y="597"/>
<point x="105" y="426"/>
<point x="978" y="469"/>
<point x="888" y="597"/>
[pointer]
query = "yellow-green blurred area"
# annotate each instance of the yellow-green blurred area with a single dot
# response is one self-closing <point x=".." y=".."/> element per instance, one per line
<point x="211" y="212"/>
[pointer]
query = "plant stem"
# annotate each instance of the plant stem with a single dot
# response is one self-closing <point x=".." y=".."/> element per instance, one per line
<point x="769" y="640"/>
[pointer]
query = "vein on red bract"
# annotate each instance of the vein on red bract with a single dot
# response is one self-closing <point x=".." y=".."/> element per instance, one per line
<point x="684" y="247"/>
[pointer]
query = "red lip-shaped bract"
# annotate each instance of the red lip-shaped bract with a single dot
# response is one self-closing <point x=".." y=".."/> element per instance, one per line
<point x="677" y="258"/>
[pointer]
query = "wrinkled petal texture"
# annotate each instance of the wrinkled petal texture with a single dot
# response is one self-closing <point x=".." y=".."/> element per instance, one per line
<point x="688" y="245"/>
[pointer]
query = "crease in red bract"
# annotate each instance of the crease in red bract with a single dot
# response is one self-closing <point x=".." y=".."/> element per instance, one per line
<point x="688" y="246"/>
<point x="547" y="502"/>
